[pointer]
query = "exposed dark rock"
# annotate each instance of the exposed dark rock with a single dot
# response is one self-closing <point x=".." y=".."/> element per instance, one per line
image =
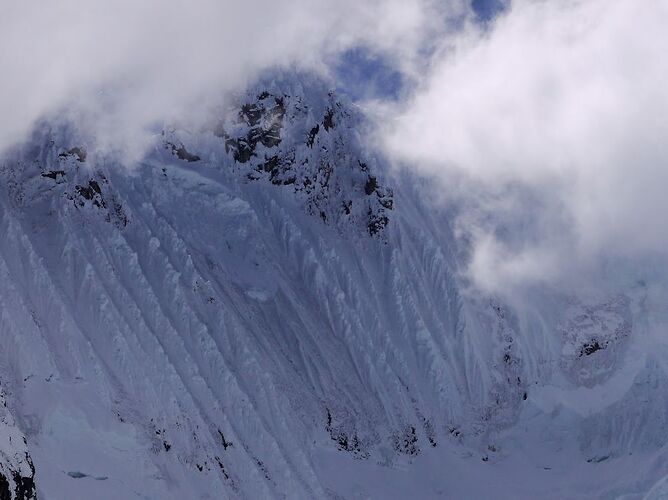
<point x="272" y="136"/>
<point x="312" y="135"/>
<point x="265" y="122"/>
<point x="386" y="202"/>
<point x="222" y="468"/>
<point x="346" y="439"/>
<point x="271" y="164"/>
<point x="590" y="348"/>
<point x="251" y="114"/>
<point x="24" y="486"/>
<point x="182" y="153"/>
<point x="226" y="444"/>
<point x="78" y="152"/>
<point x="91" y="192"/>
<point x="5" y="492"/>
<point x="427" y="424"/>
<point x="370" y="185"/>
<point x="406" y="442"/>
<point x="95" y="186"/>
<point x="376" y="223"/>
<point x="54" y="174"/>
<point x="263" y="468"/>
<point x="331" y="180"/>
<point x="118" y="215"/>
<point x="328" y="121"/>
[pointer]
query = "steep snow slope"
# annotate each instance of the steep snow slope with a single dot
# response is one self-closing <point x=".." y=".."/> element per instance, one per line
<point x="258" y="310"/>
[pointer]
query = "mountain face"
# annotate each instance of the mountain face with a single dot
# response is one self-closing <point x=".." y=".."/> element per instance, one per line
<point x="260" y="309"/>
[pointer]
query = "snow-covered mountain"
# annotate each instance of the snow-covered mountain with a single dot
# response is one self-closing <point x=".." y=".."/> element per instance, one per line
<point x="260" y="309"/>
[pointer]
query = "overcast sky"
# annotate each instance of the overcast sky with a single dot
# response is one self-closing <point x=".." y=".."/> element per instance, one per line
<point x="545" y="121"/>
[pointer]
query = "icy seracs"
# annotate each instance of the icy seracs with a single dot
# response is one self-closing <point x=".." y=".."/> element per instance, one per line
<point x="258" y="309"/>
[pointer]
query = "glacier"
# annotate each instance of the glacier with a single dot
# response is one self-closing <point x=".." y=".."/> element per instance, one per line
<point x="261" y="308"/>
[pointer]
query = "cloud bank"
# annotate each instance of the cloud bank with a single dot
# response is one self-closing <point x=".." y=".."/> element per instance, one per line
<point x="121" y="66"/>
<point x="550" y="127"/>
<point x="547" y="125"/>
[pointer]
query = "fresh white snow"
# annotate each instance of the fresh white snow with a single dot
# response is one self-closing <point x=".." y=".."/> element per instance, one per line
<point x="216" y="328"/>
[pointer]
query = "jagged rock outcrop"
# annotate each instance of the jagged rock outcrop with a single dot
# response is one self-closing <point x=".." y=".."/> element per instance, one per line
<point x="17" y="472"/>
<point x="286" y="140"/>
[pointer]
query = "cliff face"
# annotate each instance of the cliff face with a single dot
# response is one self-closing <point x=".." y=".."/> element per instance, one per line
<point x="17" y="472"/>
<point x="258" y="309"/>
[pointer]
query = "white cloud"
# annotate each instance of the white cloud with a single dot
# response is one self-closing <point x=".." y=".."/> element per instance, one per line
<point x="122" y="65"/>
<point x="553" y="123"/>
<point x="548" y="126"/>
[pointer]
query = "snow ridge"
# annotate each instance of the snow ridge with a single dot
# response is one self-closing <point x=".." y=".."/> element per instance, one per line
<point x="252" y="306"/>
